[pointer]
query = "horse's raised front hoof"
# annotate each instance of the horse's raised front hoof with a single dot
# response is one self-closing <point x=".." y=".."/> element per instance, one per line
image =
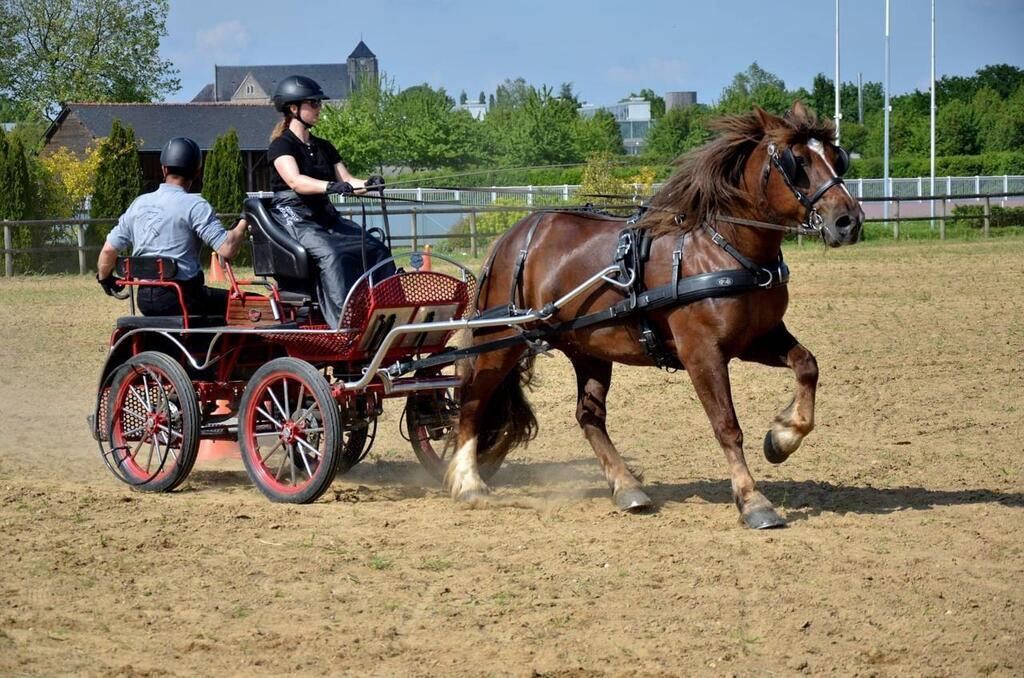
<point x="763" y="518"/>
<point x="771" y="452"/>
<point x="632" y="500"/>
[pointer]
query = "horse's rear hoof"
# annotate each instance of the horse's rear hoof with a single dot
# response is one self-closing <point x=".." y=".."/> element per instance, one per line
<point x="771" y="452"/>
<point x="633" y="500"/>
<point x="764" y="518"/>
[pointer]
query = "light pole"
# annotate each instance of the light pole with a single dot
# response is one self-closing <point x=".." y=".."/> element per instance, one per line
<point x="933" y="113"/>
<point x="885" y="158"/>
<point x="839" y="110"/>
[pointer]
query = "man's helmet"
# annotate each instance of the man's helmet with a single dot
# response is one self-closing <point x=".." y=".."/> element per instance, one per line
<point x="295" y="89"/>
<point x="182" y="156"/>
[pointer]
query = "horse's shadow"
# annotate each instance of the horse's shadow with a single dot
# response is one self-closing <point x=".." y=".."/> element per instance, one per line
<point x="804" y="499"/>
<point x="801" y="499"/>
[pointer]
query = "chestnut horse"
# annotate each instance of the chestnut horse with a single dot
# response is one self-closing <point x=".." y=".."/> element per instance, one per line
<point x="762" y="169"/>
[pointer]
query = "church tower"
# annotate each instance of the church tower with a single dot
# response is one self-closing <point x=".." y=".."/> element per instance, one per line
<point x="362" y="65"/>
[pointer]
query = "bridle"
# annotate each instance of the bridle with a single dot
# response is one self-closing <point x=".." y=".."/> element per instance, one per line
<point x="785" y="163"/>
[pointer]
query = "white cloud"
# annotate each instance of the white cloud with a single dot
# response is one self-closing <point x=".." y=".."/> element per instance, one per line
<point x="223" y="42"/>
<point x="653" y="72"/>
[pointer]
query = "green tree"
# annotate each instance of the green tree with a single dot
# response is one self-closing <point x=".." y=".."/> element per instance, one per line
<point x="83" y="50"/>
<point x="987" y="107"/>
<point x="224" y="176"/>
<point x="431" y="132"/>
<point x="118" y="179"/>
<point x="596" y="135"/>
<point x="956" y="129"/>
<point x="363" y="128"/>
<point x="680" y="130"/>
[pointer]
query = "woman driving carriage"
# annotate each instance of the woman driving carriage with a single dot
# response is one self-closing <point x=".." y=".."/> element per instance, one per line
<point x="305" y="171"/>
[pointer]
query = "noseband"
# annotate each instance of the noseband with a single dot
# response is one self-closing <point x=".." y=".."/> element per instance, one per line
<point x="785" y="163"/>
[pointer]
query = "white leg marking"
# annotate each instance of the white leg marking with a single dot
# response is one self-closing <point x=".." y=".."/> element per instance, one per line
<point x="462" y="477"/>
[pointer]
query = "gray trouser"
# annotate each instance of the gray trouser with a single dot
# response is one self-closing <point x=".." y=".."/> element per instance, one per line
<point x="335" y="243"/>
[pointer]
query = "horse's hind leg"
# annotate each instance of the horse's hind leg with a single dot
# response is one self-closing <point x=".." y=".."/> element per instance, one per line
<point x="488" y="374"/>
<point x="780" y="349"/>
<point x="709" y="373"/>
<point x="593" y="377"/>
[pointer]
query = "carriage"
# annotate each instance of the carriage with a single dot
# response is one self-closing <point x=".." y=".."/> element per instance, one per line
<point x="698" y="282"/>
<point x="301" y="398"/>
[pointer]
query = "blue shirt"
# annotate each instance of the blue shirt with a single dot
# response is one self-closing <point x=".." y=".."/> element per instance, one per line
<point x="169" y="223"/>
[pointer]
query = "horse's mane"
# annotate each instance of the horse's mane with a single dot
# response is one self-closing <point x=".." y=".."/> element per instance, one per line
<point x="708" y="179"/>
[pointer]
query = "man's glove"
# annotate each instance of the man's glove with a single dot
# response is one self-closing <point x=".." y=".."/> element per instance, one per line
<point x="376" y="181"/>
<point x="339" y="188"/>
<point x="111" y="284"/>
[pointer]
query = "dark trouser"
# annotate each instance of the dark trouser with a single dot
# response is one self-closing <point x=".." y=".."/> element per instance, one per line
<point x="335" y="243"/>
<point x="199" y="299"/>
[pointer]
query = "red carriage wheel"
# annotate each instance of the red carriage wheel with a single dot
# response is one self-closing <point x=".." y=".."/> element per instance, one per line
<point x="289" y="430"/>
<point x="431" y="419"/>
<point x="153" y="423"/>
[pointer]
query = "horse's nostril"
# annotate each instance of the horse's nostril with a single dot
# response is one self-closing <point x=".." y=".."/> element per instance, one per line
<point x="843" y="223"/>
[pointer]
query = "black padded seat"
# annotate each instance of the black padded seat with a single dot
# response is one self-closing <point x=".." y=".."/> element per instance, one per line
<point x="276" y="253"/>
<point x="168" y="322"/>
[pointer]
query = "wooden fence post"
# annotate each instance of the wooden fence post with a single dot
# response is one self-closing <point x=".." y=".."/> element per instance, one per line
<point x="8" y="255"/>
<point x="82" y="266"/>
<point x="942" y="221"/>
<point x="414" y="243"/>
<point x="988" y="213"/>
<point x="472" y="235"/>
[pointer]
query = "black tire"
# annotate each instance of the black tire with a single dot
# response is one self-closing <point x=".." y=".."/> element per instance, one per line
<point x="268" y="429"/>
<point x="431" y="419"/>
<point x="153" y="411"/>
<point x="353" y="448"/>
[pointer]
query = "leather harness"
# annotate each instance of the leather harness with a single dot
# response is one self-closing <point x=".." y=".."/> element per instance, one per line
<point x="632" y="250"/>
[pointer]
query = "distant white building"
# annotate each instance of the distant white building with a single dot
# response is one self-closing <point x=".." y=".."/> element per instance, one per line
<point x="634" y="118"/>
<point x="477" y="110"/>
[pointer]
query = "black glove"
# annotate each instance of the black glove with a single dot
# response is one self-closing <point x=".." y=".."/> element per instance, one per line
<point x="376" y="181"/>
<point x="339" y="188"/>
<point x="111" y="284"/>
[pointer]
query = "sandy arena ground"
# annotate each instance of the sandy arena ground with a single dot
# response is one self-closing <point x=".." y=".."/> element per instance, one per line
<point x="904" y="555"/>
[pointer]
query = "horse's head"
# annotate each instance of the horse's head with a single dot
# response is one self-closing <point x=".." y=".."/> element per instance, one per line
<point x="801" y="171"/>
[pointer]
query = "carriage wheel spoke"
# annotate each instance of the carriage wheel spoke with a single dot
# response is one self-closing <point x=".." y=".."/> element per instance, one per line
<point x="312" y="450"/>
<point x="305" y="460"/>
<point x="298" y="403"/>
<point x="273" y="451"/>
<point x="168" y="432"/>
<point x="149" y="459"/>
<point x="145" y="391"/>
<point x="132" y="432"/>
<point x="291" y="459"/>
<point x="280" y="467"/>
<point x="144" y="401"/>
<point x="266" y="414"/>
<point x="270" y="392"/>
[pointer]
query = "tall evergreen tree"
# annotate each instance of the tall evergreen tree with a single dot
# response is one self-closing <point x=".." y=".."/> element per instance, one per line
<point x="118" y="179"/>
<point x="224" y="176"/>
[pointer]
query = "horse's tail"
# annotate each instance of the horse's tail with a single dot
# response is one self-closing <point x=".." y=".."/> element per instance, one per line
<point x="508" y="420"/>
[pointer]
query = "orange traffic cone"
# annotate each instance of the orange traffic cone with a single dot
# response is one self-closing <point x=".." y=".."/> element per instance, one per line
<point x="219" y="449"/>
<point x="216" y="272"/>
<point x="426" y="258"/>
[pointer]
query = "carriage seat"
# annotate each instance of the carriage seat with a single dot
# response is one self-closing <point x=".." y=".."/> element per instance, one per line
<point x="277" y="254"/>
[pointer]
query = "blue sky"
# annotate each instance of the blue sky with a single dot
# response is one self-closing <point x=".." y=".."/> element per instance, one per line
<point x="606" y="49"/>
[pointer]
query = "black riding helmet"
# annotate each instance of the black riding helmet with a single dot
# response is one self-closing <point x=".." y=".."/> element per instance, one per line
<point x="295" y="89"/>
<point x="182" y="156"/>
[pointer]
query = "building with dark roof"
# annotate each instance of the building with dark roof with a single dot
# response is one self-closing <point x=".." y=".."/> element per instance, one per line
<point x="237" y="99"/>
<point x="79" y="124"/>
<point x="251" y="84"/>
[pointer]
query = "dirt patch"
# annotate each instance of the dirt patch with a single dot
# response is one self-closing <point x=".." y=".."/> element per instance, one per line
<point x="906" y="505"/>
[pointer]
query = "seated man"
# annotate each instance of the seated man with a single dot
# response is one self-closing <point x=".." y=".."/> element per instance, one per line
<point x="172" y="223"/>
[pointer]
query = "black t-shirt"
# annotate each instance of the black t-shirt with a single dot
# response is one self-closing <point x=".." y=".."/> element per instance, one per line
<point x="315" y="159"/>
